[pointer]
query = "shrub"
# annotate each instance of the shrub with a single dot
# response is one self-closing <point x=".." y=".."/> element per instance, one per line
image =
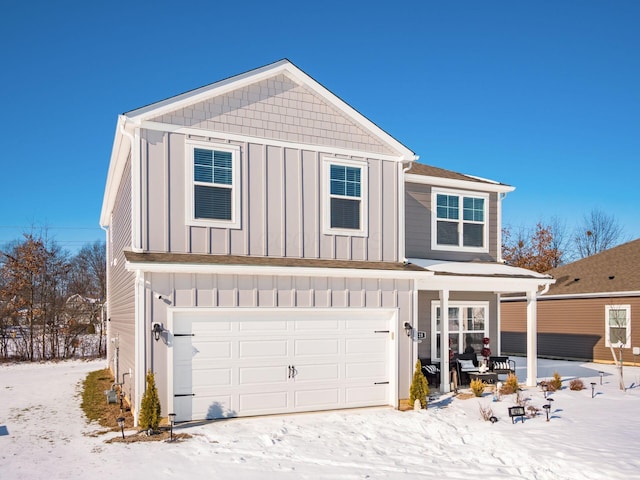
<point x="486" y="413"/>
<point x="419" y="387"/>
<point x="533" y="411"/>
<point x="477" y="387"/>
<point x="576" y="384"/>
<point x="150" y="409"/>
<point x="510" y="385"/>
<point x="555" y="383"/>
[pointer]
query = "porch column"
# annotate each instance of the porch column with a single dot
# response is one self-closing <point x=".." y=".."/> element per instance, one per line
<point x="445" y="380"/>
<point x="532" y="339"/>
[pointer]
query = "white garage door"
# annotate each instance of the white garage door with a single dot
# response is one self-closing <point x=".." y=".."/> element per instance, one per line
<point x="229" y="364"/>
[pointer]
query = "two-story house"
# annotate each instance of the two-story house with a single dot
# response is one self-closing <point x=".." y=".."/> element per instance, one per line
<point x="272" y="250"/>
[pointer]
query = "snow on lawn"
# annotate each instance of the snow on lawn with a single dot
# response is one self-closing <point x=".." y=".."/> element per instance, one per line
<point x="43" y="434"/>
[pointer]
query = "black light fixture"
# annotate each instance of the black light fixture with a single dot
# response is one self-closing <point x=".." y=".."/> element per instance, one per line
<point x="408" y="328"/>
<point x="593" y="389"/>
<point x="157" y="330"/>
<point x="601" y="375"/>
<point x="120" y="421"/>
<point x="547" y="407"/>
<point x="172" y="419"/>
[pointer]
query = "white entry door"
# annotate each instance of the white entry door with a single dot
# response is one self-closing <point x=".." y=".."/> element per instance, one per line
<point x="256" y="362"/>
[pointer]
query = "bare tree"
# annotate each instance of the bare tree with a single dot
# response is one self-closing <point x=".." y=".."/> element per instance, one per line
<point x="533" y="250"/>
<point x="88" y="279"/>
<point x="597" y="232"/>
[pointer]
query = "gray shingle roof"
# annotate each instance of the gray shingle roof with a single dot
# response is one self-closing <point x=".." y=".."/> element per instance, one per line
<point x="614" y="270"/>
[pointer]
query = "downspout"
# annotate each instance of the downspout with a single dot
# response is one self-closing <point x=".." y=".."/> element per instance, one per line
<point x="501" y="196"/>
<point x="107" y="324"/>
<point x="139" y="379"/>
<point x="401" y="209"/>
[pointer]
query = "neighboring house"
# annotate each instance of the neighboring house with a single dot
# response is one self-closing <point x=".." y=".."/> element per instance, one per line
<point x="591" y="307"/>
<point x="261" y="229"/>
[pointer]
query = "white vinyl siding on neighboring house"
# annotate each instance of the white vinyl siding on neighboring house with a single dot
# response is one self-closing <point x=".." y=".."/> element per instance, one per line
<point x="345" y="202"/>
<point x="214" y="185"/>
<point x="618" y="325"/>
<point x="459" y="221"/>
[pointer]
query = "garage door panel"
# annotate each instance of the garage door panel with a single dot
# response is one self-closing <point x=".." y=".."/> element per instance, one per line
<point x="260" y="375"/>
<point x="317" y="346"/>
<point x="318" y="398"/>
<point x="262" y="348"/>
<point x="324" y="325"/>
<point x="372" y="346"/>
<point x="354" y="371"/>
<point x="210" y="407"/>
<point x="317" y="372"/>
<point x="269" y="326"/>
<point x="370" y="325"/>
<point x="213" y="350"/>
<point x="366" y="395"/>
<point x="252" y="403"/>
<point x="205" y="327"/>
<point x="216" y="377"/>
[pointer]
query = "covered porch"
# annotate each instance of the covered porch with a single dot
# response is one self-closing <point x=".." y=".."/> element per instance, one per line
<point x="470" y="294"/>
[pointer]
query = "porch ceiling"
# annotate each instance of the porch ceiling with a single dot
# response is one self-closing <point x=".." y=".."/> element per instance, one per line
<point x="479" y="277"/>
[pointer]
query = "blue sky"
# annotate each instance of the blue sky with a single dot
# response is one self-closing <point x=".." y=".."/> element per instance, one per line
<point x="541" y="95"/>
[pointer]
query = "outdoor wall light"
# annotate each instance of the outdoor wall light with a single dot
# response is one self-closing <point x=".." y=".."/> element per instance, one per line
<point x="157" y="330"/>
<point x="120" y="421"/>
<point x="547" y="407"/>
<point x="593" y="389"/>
<point x="601" y="375"/>
<point x="408" y="328"/>
<point x="172" y="419"/>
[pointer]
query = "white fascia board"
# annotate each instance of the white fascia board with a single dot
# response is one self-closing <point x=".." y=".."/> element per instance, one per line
<point x="282" y="67"/>
<point x="481" y="284"/>
<point x="200" y="132"/>
<point x="455" y="183"/>
<point x="272" y="271"/>
<point x="117" y="162"/>
<point x="569" y="296"/>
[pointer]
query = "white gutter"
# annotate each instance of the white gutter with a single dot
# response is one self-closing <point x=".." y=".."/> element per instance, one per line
<point x="455" y="183"/>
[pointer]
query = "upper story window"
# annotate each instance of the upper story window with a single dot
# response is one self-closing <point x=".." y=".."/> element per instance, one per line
<point x="214" y="193"/>
<point x="460" y="221"/>
<point x="618" y="326"/>
<point x="346" y="198"/>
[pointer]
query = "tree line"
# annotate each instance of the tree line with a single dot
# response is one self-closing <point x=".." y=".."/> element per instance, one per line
<point x="51" y="302"/>
<point x="551" y="244"/>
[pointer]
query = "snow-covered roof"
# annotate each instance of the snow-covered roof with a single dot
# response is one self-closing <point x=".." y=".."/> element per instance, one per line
<point x="483" y="269"/>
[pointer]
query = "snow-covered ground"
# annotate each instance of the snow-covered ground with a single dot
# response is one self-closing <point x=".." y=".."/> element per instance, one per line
<point x="43" y="434"/>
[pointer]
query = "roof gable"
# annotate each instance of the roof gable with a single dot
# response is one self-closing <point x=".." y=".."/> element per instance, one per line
<point x="612" y="271"/>
<point x="277" y="101"/>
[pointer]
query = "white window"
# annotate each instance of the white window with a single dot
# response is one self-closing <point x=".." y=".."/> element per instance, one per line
<point x="213" y="173"/>
<point x="345" y="207"/>
<point x="618" y="325"/>
<point x="468" y="326"/>
<point x="459" y="221"/>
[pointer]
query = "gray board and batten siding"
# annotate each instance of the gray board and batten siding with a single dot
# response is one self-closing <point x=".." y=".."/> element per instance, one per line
<point x="281" y="186"/>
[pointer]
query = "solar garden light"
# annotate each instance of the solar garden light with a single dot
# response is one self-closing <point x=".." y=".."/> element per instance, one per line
<point x="547" y="407"/>
<point x="601" y="375"/>
<point x="593" y="389"/>
<point x="172" y="419"/>
<point x="545" y="389"/>
<point x="120" y="421"/>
